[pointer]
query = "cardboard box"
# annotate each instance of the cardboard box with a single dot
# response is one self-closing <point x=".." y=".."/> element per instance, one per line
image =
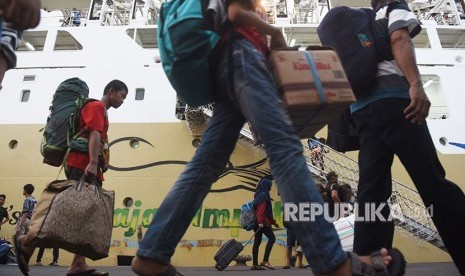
<point x="297" y="76"/>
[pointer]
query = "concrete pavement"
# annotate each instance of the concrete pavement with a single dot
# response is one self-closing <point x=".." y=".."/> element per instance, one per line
<point x="429" y="269"/>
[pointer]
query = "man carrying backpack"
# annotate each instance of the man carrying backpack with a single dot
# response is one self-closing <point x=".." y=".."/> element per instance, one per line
<point x="92" y="164"/>
<point x="246" y="90"/>
<point x="93" y="126"/>
<point x="391" y="120"/>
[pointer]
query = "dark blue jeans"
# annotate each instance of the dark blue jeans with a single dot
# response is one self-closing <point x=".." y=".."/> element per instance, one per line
<point x="255" y="97"/>
<point x="384" y="131"/>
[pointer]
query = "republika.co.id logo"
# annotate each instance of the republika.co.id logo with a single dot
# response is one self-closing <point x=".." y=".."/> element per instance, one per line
<point x="369" y="212"/>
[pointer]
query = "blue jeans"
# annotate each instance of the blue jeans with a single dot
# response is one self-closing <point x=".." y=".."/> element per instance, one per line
<point x="255" y="98"/>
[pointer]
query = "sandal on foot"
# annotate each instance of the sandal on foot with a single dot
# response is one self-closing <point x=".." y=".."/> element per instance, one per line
<point x="286" y="267"/>
<point x="256" y="267"/>
<point x="396" y="266"/>
<point x="21" y="256"/>
<point x="302" y="266"/>
<point x="267" y="265"/>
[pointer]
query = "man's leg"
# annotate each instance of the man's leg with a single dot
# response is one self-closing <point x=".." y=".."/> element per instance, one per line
<point x="40" y="254"/>
<point x="375" y="186"/>
<point x="258" y="98"/>
<point x="175" y="214"/>
<point x="78" y="264"/>
<point x="415" y="149"/>
<point x="56" y="252"/>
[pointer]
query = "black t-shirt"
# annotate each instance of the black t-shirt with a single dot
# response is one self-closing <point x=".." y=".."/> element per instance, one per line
<point x="3" y="214"/>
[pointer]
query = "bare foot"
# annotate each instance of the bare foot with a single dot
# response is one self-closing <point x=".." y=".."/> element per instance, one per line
<point x="146" y="267"/>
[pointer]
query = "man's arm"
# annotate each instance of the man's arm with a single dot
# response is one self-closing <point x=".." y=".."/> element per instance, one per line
<point x="23" y="14"/>
<point x="335" y="196"/>
<point x="94" y="148"/>
<point x="239" y="15"/>
<point x="404" y="54"/>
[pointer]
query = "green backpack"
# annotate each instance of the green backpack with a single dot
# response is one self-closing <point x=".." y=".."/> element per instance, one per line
<point x="60" y="132"/>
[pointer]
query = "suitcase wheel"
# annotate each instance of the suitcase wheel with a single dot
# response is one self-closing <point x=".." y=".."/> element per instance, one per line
<point x="218" y="267"/>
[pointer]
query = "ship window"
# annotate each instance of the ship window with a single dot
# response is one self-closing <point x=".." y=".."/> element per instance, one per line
<point x="432" y="86"/>
<point x="145" y="37"/>
<point x="452" y="38"/>
<point x="65" y="41"/>
<point x="13" y="144"/>
<point x="281" y="9"/>
<point x="140" y="93"/>
<point x="25" y="95"/>
<point x="421" y="40"/>
<point x="29" y="78"/>
<point x="128" y="202"/>
<point x="96" y="9"/>
<point x="32" y="41"/>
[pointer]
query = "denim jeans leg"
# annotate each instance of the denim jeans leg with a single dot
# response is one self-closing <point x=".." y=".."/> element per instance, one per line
<point x="257" y="96"/>
<point x="186" y="196"/>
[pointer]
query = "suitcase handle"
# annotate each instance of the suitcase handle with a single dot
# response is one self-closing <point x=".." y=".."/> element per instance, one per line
<point x="245" y="244"/>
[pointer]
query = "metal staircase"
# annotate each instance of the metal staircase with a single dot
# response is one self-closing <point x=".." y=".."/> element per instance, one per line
<point x="411" y="218"/>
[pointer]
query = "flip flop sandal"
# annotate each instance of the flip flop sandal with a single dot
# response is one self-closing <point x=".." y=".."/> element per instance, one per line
<point x="302" y="266"/>
<point x="256" y="267"/>
<point x="360" y="268"/>
<point x="267" y="265"/>
<point x="21" y="256"/>
<point x="397" y="266"/>
<point x="286" y="267"/>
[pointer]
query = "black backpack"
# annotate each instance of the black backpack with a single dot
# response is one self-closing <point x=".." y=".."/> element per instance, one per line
<point x="353" y="34"/>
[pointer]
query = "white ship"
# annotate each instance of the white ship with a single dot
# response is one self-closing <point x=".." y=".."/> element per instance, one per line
<point x="151" y="140"/>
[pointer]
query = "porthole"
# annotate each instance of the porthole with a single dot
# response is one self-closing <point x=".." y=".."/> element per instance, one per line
<point x="13" y="144"/>
<point x="134" y="143"/>
<point x="196" y="142"/>
<point x="443" y="141"/>
<point x="128" y="202"/>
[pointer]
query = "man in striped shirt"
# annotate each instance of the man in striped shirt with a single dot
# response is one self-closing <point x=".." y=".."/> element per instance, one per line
<point x="391" y="120"/>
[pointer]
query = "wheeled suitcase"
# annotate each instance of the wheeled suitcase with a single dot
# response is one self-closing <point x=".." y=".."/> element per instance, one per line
<point x="228" y="252"/>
